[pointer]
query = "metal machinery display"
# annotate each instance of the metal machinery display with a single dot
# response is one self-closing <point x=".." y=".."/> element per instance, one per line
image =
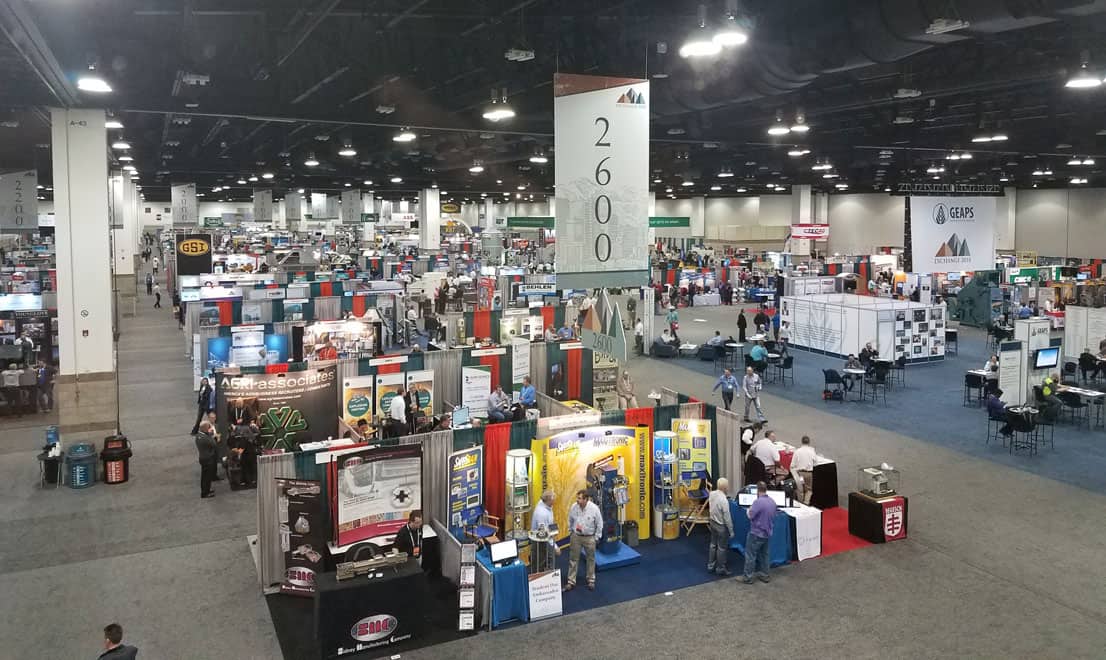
<point x="666" y="522"/>
<point x="610" y="490"/>
<point x="517" y="509"/>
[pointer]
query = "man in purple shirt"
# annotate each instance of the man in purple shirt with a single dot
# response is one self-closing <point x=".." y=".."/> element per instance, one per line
<point x="761" y="514"/>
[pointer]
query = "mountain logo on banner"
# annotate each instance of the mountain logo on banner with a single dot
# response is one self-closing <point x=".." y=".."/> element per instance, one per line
<point x="954" y="247"/>
<point x="631" y="97"/>
<point x="609" y="340"/>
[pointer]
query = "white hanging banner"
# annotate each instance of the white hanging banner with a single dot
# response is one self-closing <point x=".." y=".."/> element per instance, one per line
<point x="292" y="202"/>
<point x="318" y="206"/>
<point x="19" y="200"/>
<point x="184" y="204"/>
<point x="331" y="207"/>
<point x="351" y="207"/>
<point x="601" y="137"/>
<point x="263" y="206"/>
<point x="952" y="233"/>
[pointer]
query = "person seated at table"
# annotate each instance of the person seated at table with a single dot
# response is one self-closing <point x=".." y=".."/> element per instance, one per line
<point x="766" y="452"/>
<point x="990" y="374"/>
<point x="1024" y="311"/>
<point x="499" y="405"/>
<point x="550" y="334"/>
<point x="716" y="340"/>
<point x="851" y="362"/>
<point x="1050" y="404"/>
<point x="996" y="410"/>
<point x="527" y="397"/>
<point x="759" y="354"/>
<point x="867" y="355"/>
<point x="409" y="537"/>
<point x="668" y="338"/>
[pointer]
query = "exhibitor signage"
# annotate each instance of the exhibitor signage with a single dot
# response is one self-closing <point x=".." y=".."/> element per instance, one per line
<point x="601" y="136"/>
<point x="185" y="210"/>
<point x="194" y="254"/>
<point x="19" y="200"/>
<point x="541" y="222"/>
<point x="952" y="233"/>
<point x="813" y="232"/>
<point x="291" y="408"/>
<point x="302" y="534"/>
<point x="665" y="221"/>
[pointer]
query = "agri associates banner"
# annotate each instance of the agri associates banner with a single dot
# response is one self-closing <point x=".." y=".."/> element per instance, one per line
<point x="291" y="408"/>
<point x="952" y="233"/>
<point x="561" y="463"/>
<point x="377" y="489"/>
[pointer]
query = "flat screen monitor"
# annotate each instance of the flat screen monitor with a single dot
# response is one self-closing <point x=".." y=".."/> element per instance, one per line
<point x="778" y="496"/>
<point x="1047" y="358"/>
<point x="952" y="277"/>
<point x="504" y="551"/>
<point x="461" y="417"/>
<point x="746" y="499"/>
<point x="1083" y="276"/>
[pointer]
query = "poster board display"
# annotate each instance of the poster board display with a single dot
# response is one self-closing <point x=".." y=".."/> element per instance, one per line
<point x="377" y="489"/>
<point x="561" y="462"/>
<point x="292" y="408"/>
<point x="692" y="449"/>
<point x="486" y="298"/>
<point x="466" y="488"/>
<point x="544" y="591"/>
<point x="357" y="399"/>
<point x="346" y="338"/>
<point x="387" y="387"/>
<point x="520" y="364"/>
<point x="476" y="386"/>
<point x="302" y="537"/>
<point x="247" y="347"/>
<point x="421" y="385"/>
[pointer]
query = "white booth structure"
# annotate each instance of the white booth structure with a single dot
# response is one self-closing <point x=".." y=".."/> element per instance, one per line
<point x="1084" y="329"/>
<point x="841" y="323"/>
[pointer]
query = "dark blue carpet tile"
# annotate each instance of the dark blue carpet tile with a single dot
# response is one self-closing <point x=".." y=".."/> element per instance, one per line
<point x="665" y="566"/>
<point x="930" y="408"/>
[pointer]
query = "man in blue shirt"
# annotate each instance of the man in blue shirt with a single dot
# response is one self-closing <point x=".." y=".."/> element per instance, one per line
<point x="761" y="516"/>
<point x="527" y="396"/>
<point x="759" y="353"/>
<point x="728" y="384"/>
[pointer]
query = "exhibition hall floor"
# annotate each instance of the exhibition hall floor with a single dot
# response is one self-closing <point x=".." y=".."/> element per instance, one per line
<point x="1001" y="561"/>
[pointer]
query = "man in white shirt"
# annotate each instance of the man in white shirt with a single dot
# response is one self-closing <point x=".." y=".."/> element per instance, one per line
<point x="397" y="414"/>
<point x="802" y="470"/>
<point x="765" y="451"/>
<point x="543" y="515"/>
<point x="716" y="340"/>
<point x="585" y="523"/>
<point x="721" y="528"/>
<point x="639" y="336"/>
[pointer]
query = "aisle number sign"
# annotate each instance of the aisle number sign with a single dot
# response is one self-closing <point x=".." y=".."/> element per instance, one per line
<point x="601" y="136"/>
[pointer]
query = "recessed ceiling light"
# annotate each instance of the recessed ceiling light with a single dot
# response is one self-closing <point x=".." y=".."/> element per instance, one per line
<point x="125" y="158"/>
<point x="796" y="153"/>
<point x="403" y="136"/>
<point x="113" y="124"/>
<point x="396" y="179"/>
<point x="347" y="184"/>
<point x="94" y="84"/>
<point x="241" y="182"/>
<point x="347" y="151"/>
<point x="267" y="175"/>
<point x="539" y="159"/>
<point x="120" y="144"/>
<point x="688" y="183"/>
<point x="253" y="179"/>
<point x="716" y="188"/>
<point x="476" y="168"/>
<point x="741" y="190"/>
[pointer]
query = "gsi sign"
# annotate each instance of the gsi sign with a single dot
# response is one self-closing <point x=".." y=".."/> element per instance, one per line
<point x="813" y="232"/>
<point x="193" y="247"/>
<point x="372" y="628"/>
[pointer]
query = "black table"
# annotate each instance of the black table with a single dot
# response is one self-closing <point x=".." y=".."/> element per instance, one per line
<point x="866" y="516"/>
<point x="380" y="616"/>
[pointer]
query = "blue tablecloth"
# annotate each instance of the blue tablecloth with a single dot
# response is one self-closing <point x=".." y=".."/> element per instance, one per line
<point x="779" y="550"/>
<point x="510" y="595"/>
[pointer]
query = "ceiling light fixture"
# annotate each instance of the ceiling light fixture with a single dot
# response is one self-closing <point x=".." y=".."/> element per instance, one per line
<point x="125" y="158"/>
<point x="688" y="183"/>
<point x="995" y="137"/>
<point x="726" y="173"/>
<point x="253" y="178"/>
<point x="1084" y="78"/>
<point x="700" y="44"/>
<point x="716" y="188"/>
<point x="1078" y="181"/>
<point x="741" y="190"/>
<point x="539" y="159"/>
<point x="822" y="166"/>
<point x="396" y="179"/>
<point x="90" y="82"/>
<point x="800" y="125"/>
<point x="403" y="136"/>
<point x="311" y="161"/>
<point x="347" y="151"/>
<point x="120" y="144"/>
<point x="113" y="124"/>
<point x="731" y="33"/>
<point x="241" y="182"/>
<point x="797" y="153"/>
<point x="130" y="168"/>
<point x="779" y="128"/>
<point x="267" y="175"/>
<point x="476" y="168"/>
<point x="498" y="109"/>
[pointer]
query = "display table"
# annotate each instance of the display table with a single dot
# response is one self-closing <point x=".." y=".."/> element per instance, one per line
<point x="385" y="615"/>
<point x="510" y="595"/>
<point x="779" y="549"/>
<point x="431" y="550"/>
<point x="706" y="299"/>
<point x="878" y="519"/>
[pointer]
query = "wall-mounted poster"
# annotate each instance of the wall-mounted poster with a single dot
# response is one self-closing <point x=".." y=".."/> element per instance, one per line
<point x="421" y="384"/>
<point x="251" y="312"/>
<point x="377" y="489"/>
<point x="387" y="386"/>
<point x="561" y="463"/>
<point x="302" y="537"/>
<point x="291" y="408"/>
<point x="466" y="487"/>
<point x="357" y="399"/>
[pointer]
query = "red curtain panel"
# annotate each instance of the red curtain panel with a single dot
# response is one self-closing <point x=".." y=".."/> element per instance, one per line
<point x="226" y="312"/>
<point x="359" y="306"/>
<point x="573" y="367"/>
<point x="497" y="440"/>
<point x="482" y="324"/>
<point x="492" y="362"/>
<point x="640" y="417"/>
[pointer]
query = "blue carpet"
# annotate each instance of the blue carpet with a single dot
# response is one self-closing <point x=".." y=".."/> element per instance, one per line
<point x="665" y="566"/>
<point x="930" y="408"/>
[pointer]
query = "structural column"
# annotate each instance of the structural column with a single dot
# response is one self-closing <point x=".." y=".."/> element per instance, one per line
<point x="122" y="249"/>
<point x="430" y="220"/>
<point x="85" y="393"/>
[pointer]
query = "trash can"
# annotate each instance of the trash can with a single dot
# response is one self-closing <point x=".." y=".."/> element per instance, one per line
<point x="629" y="533"/>
<point x="80" y="465"/>
<point x="116" y="456"/>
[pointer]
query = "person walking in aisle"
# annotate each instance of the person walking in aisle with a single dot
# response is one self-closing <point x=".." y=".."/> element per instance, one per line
<point x="44" y="378"/>
<point x="721" y="528"/>
<point x="203" y="400"/>
<point x="208" y="452"/>
<point x="673" y="321"/>
<point x="729" y="385"/>
<point x="157" y="296"/>
<point x="114" y="648"/>
<point x="761" y="516"/>
<point x="149" y="284"/>
<point x="750" y="387"/>
<point x="157" y="263"/>
<point x="585" y="523"/>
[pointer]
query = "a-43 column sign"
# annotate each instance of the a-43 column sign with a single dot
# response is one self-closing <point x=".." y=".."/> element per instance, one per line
<point x="601" y="139"/>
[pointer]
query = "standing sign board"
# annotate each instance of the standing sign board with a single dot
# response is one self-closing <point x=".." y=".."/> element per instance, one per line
<point x="466" y="487"/>
<point x="476" y="386"/>
<point x="545" y="595"/>
<point x="300" y="513"/>
<point x="601" y="136"/>
<point x="184" y="205"/>
<point x="19" y="200"/>
<point x="952" y="233"/>
<point x="520" y="364"/>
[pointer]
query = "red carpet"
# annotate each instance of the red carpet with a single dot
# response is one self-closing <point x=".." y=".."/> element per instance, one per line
<point x="835" y="533"/>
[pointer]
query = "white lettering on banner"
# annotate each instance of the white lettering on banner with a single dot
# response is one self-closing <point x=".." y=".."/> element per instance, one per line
<point x="601" y="139"/>
<point x="476" y="385"/>
<point x="815" y="232"/>
<point x="263" y="205"/>
<point x="952" y="233"/>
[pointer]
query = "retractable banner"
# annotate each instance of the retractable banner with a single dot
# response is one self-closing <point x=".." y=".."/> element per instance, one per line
<point x="302" y="534"/>
<point x="357" y="399"/>
<point x="466" y="487"/>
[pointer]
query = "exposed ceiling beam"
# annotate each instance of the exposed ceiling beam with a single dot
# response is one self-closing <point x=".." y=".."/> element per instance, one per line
<point x="17" y="23"/>
<point x="319" y="85"/>
<point x="405" y="13"/>
<point x="319" y="15"/>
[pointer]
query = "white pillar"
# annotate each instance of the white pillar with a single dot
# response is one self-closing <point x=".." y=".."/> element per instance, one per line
<point x="430" y="220"/>
<point x="120" y="233"/>
<point x="802" y="213"/>
<point x="698" y="222"/>
<point x="85" y="390"/>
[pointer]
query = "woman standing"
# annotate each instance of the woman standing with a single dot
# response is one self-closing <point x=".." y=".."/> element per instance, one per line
<point x="203" y="404"/>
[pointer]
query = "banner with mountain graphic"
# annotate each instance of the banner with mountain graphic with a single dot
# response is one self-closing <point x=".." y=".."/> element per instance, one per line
<point x="952" y="233"/>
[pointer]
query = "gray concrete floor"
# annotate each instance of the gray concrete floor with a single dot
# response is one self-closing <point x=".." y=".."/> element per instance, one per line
<point x="999" y="563"/>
